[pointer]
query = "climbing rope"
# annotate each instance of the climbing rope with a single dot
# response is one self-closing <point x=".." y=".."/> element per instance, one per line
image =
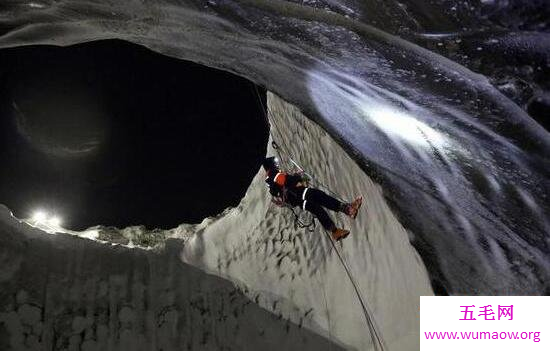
<point x="375" y="336"/>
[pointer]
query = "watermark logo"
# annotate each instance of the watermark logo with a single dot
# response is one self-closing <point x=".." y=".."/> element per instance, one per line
<point x="484" y="323"/>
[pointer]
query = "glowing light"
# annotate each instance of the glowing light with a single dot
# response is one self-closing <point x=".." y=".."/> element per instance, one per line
<point x="42" y="219"/>
<point x="396" y="122"/>
<point x="54" y="221"/>
<point x="36" y="5"/>
<point x="39" y="216"/>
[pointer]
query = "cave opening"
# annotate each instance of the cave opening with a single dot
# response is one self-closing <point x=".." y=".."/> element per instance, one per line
<point x="111" y="133"/>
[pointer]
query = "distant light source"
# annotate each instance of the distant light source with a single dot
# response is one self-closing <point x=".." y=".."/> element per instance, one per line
<point x="43" y="220"/>
<point x="39" y="216"/>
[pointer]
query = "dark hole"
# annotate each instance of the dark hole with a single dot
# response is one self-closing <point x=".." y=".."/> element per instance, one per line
<point x="111" y="133"/>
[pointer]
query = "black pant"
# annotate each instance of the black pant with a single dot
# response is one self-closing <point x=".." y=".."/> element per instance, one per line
<point x="313" y="200"/>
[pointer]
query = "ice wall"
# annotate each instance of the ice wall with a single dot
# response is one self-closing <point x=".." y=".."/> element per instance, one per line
<point x="258" y="244"/>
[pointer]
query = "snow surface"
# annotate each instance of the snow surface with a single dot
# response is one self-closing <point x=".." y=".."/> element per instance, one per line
<point x="258" y="245"/>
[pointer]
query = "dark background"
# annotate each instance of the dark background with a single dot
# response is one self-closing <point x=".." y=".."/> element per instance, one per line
<point x="111" y="133"/>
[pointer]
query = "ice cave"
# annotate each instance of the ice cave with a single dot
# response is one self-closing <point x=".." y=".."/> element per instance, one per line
<point x="435" y="112"/>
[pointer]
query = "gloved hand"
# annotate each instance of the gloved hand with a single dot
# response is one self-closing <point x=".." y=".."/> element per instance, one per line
<point x="305" y="177"/>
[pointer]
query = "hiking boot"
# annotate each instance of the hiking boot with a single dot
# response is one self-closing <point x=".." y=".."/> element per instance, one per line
<point x="339" y="234"/>
<point x="352" y="208"/>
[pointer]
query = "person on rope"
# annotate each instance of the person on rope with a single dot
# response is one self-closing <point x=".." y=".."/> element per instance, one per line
<point x="293" y="190"/>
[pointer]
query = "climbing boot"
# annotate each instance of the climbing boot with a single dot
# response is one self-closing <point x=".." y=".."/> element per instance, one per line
<point x="339" y="234"/>
<point x="352" y="208"/>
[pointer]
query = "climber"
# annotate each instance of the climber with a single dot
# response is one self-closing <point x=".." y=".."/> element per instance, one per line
<point x="293" y="190"/>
